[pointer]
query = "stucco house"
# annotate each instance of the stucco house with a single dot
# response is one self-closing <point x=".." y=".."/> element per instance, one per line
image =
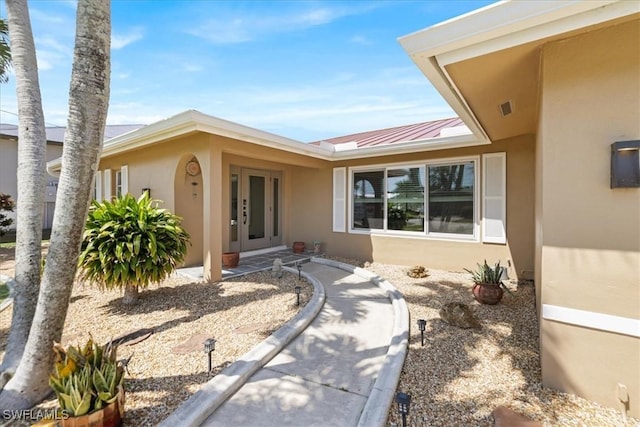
<point x="9" y="164"/>
<point x="543" y="91"/>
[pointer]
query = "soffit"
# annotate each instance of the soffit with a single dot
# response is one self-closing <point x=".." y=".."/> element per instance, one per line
<point x="487" y="81"/>
<point x="512" y="74"/>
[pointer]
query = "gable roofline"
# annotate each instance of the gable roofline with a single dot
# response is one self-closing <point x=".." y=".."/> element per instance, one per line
<point x="496" y="27"/>
<point x="191" y="121"/>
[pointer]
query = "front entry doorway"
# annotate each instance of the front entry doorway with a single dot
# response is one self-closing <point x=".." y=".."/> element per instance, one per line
<point x="256" y="207"/>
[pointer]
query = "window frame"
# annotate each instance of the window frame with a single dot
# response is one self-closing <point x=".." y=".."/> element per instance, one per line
<point x="426" y="234"/>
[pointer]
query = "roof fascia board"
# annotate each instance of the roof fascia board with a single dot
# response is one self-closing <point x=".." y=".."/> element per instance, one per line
<point x="237" y="131"/>
<point x="570" y="23"/>
<point x="429" y="144"/>
<point x="500" y="19"/>
<point x="196" y="121"/>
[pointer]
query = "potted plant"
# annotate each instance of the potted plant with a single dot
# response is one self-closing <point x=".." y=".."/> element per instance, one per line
<point x="487" y="288"/>
<point x="88" y="383"/>
<point x="298" y="247"/>
<point x="230" y="259"/>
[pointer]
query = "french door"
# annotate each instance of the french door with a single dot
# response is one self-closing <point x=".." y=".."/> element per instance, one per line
<point x="258" y="205"/>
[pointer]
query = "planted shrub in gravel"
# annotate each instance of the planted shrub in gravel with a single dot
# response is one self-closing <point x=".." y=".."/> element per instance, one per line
<point x="131" y="243"/>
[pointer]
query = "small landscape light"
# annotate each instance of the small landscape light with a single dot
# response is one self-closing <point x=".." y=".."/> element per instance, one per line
<point x="403" y="400"/>
<point x="297" y="290"/>
<point x="422" y="325"/>
<point x="299" y="266"/>
<point x="209" y="347"/>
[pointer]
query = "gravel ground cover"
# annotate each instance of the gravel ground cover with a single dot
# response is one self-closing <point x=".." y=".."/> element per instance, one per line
<point x="456" y="379"/>
<point x="461" y="375"/>
<point x="169" y="366"/>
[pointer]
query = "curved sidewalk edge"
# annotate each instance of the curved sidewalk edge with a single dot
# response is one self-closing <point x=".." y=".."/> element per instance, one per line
<point x="10" y="281"/>
<point x="381" y="397"/>
<point x="206" y="400"/>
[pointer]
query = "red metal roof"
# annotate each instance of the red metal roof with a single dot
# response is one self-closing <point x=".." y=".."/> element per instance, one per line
<point x="404" y="133"/>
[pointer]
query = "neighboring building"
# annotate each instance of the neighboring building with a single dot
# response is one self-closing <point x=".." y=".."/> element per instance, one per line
<point x="543" y="89"/>
<point x="9" y="163"/>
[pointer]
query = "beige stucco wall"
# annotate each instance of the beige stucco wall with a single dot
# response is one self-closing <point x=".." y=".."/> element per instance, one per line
<point x="8" y="170"/>
<point x="312" y="203"/>
<point x="205" y="206"/>
<point x="588" y="235"/>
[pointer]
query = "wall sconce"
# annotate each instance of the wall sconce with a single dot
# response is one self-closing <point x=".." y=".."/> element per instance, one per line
<point x="194" y="193"/>
<point x="147" y="190"/>
<point x="625" y="164"/>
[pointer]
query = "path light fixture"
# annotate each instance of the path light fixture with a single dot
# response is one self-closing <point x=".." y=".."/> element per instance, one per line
<point x="297" y="290"/>
<point x="209" y="347"/>
<point x="422" y="325"/>
<point x="299" y="267"/>
<point x="403" y="400"/>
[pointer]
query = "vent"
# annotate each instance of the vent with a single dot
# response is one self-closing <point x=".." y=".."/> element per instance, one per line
<point x="506" y="108"/>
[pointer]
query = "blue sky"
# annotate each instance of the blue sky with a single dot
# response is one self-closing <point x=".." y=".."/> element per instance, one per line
<point x="307" y="70"/>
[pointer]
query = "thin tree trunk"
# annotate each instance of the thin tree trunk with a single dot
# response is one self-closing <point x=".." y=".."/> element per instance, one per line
<point x="88" y="102"/>
<point x="130" y="294"/>
<point x="32" y="145"/>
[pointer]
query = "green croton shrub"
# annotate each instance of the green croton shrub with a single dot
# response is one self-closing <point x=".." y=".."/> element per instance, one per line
<point x="130" y="244"/>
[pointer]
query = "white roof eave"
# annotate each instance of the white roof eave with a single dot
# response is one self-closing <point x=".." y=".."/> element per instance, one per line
<point x="495" y="27"/>
<point x="429" y="144"/>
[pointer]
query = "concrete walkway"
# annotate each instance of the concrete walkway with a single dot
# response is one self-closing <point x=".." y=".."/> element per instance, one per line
<point x="341" y="369"/>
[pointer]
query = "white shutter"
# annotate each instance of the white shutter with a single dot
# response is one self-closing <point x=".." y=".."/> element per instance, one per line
<point x="98" y="186"/>
<point x="107" y="185"/>
<point x="494" y="191"/>
<point x="339" y="199"/>
<point x="124" y="179"/>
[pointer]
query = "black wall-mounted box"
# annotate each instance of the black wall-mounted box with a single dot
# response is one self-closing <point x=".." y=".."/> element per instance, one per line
<point x="625" y="164"/>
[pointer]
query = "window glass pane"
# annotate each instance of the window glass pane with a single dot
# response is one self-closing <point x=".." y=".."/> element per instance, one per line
<point x="451" y="189"/>
<point x="276" y="206"/>
<point x="405" y="199"/>
<point x="368" y="199"/>
<point x="256" y="207"/>
<point x="118" y="183"/>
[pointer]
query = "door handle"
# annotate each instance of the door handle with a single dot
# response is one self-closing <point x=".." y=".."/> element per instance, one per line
<point x="244" y="211"/>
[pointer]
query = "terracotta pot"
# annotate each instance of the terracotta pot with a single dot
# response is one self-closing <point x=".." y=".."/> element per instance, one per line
<point x="230" y="259"/>
<point x="487" y="293"/>
<point x="298" y="247"/>
<point x="109" y="416"/>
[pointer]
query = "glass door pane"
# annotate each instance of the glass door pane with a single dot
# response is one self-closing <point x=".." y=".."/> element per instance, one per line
<point x="256" y="207"/>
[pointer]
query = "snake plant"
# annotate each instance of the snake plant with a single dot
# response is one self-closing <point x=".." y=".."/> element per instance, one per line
<point x="87" y="378"/>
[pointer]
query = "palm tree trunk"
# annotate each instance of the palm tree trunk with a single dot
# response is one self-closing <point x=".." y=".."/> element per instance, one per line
<point x="32" y="146"/>
<point x="130" y="294"/>
<point x="88" y="102"/>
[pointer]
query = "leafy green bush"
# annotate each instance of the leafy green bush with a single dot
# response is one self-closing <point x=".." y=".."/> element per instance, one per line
<point x="6" y="205"/>
<point x="131" y="243"/>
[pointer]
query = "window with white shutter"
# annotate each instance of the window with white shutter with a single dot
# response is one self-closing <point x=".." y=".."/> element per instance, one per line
<point x="124" y="180"/>
<point x="494" y="191"/>
<point x="97" y="190"/>
<point x="339" y="199"/>
<point x="107" y="184"/>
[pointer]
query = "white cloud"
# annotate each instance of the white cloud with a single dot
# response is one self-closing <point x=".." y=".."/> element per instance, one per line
<point x="360" y="40"/>
<point x="118" y="41"/>
<point x="192" y="68"/>
<point x="228" y="29"/>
